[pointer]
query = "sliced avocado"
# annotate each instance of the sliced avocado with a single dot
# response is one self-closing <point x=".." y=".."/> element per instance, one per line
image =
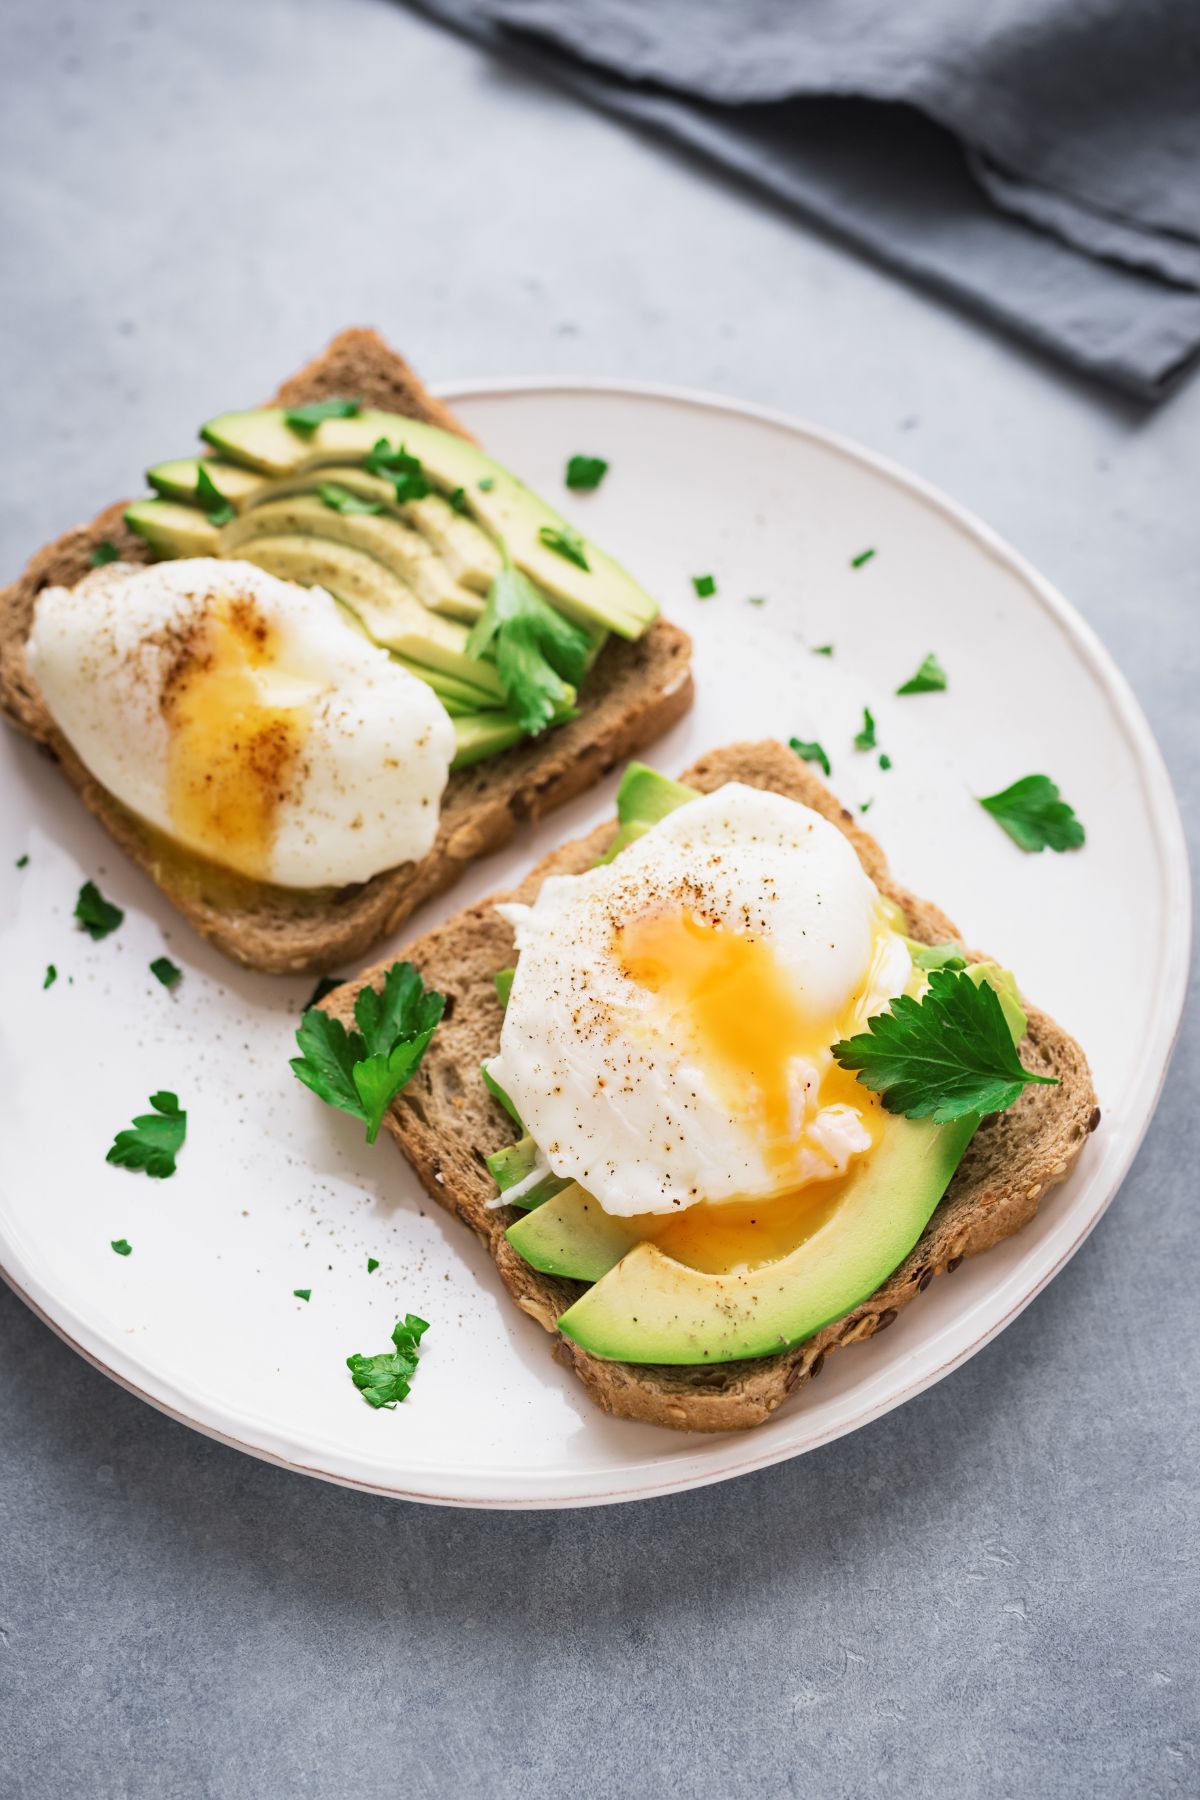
<point x="572" y="1235"/>
<point x="643" y="798"/>
<point x="504" y="979"/>
<point x="1005" y="984"/>
<point x="515" y="1164"/>
<point x="465" y="548"/>
<point x="390" y="541"/>
<point x="173" y="530"/>
<point x="390" y="611"/>
<point x="448" y="688"/>
<point x="177" y="480"/>
<point x="497" y="1092"/>
<point x="602" y="594"/>
<point x="651" y="1309"/>
<point x="481" y="734"/>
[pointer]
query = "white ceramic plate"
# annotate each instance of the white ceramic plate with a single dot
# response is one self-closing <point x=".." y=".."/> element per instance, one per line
<point x="275" y="1191"/>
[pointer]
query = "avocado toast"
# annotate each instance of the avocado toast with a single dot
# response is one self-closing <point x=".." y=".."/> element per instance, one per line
<point x="458" y="1138"/>
<point x="637" y="680"/>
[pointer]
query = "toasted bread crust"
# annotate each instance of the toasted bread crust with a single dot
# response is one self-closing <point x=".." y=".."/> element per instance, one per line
<point x="446" y="1124"/>
<point x="636" y="692"/>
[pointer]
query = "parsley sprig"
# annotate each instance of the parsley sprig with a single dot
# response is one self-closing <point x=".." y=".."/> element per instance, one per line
<point x="941" y="1057"/>
<point x="361" y="1072"/>
<point x="540" y="657"/>
<point x="383" y="1380"/>
<point x="403" y="470"/>
<point x="1035" y="815"/>
<point x="155" y="1140"/>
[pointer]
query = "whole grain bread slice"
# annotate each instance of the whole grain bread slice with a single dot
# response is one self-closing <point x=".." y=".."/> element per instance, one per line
<point x="447" y="1124"/>
<point x="635" y="692"/>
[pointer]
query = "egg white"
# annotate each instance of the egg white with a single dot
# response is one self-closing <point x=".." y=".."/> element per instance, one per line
<point x="366" y="792"/>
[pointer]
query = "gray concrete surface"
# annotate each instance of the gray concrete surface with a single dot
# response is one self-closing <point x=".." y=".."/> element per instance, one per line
<point x="989" y="1593"/>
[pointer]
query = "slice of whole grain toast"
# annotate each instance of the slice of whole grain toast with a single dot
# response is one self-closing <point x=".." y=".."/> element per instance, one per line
<point x="447" y="1124"/>
<point x="635" y="692"/>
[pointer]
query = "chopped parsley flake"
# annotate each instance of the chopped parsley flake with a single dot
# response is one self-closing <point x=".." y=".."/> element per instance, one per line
<point x="396" y="465"/>
<point x="122" y="1246"/>
<point x="305" y="419"/>
<point x="372" y="1264"/>
<point x="164" y="970"/>
<point x="586" y="472"/>
<point x="216" y="508"/>
<point x="302" y="1293"/>
<point x="104" y="552"/>
<point x="23" y="861"/>
<point x="457" y="498"/>
<point x="866" y="805"/>
<point x="383" y="1380"/>
<point x="1035" y="815"/>
<point x="756" y="599"/>
<point x="97" y="915"/>
<point x="811" y="751"/>
<point x="941" y="1057"/>
<point x="930" y="678"/>
<point x="486" y="483"/>
<point x="51" y="976"/>
<point x="822" y="650"/>
<point x="564" y="542"/>
<point x="155" y="1140"/>
<point x="341" y="500"/>
<point x="864" y="556"/>
<point x="885" y="761"/>
<point x="705" y="586"/>
<point x="865" y="739"/>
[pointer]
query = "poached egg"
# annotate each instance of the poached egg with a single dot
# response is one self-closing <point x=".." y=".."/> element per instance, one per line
<point x="667" y="1039"/>
<point x="241" y="716"/>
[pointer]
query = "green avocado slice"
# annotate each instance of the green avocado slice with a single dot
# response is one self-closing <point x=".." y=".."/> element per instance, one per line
<point x="514" y="1164"/>
<point x="649" y="1308"/>
<point x="602" y="594"/>
<point x="401" y="550"/>
<point x="172" y="529"/>
<point x="572" y="1235"/>
<point x="643" y="798"/>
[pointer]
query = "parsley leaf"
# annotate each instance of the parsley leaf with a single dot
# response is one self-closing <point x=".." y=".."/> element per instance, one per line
<point x="586" y="472"/>
<point x="864" y="556"/>
<point x="372" y="1264"/>
<point x="705" y="586"/>
<point x="164" y="970"/>
<point x="104" y="552"/>
<point x="341" y="500"/>
<point x="395" y="464"/>
<point x="97" y="915"/>
<point x="810" y="751"/>
<point x="865" y="739"/>
<point x="457" y="498"/>
<point x="564" y="542"/>
<point x="122" y="1246"/>
<point x="361" y="1072"/>
<point x="930" y="678"/>
<point x="216" y="508"/>
<point x="383" y="1380"/>
<point x="941" y="1057"/>
<point x="540" y="656"/>
<point x="305" y="419"/>
<point x="302" y="1293"/>
<point x="155" y="1140"/>
<point x="822" y="650"/>
<point x="1035" y="815"/>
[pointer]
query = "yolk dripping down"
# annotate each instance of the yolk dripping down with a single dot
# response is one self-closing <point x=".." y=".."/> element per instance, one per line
<point x="746" y="1022"/>
<point x="237" y="726"/>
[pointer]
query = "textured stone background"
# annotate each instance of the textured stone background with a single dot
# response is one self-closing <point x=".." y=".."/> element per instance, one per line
<point x="991" y="1592"/>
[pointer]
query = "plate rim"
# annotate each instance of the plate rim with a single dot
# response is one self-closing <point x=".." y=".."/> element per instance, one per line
<point x="1168" y="832"/>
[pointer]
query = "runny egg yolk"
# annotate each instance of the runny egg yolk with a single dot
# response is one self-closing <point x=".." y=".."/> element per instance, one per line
<point x="237" y="721"/>
<point x="746" y="1021"/>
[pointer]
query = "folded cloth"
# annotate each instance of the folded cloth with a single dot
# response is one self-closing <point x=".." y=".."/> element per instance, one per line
<point x="1037" y="161"/>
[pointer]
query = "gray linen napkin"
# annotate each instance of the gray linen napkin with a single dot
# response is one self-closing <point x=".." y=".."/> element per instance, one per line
<point x="1037" y="161"/>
